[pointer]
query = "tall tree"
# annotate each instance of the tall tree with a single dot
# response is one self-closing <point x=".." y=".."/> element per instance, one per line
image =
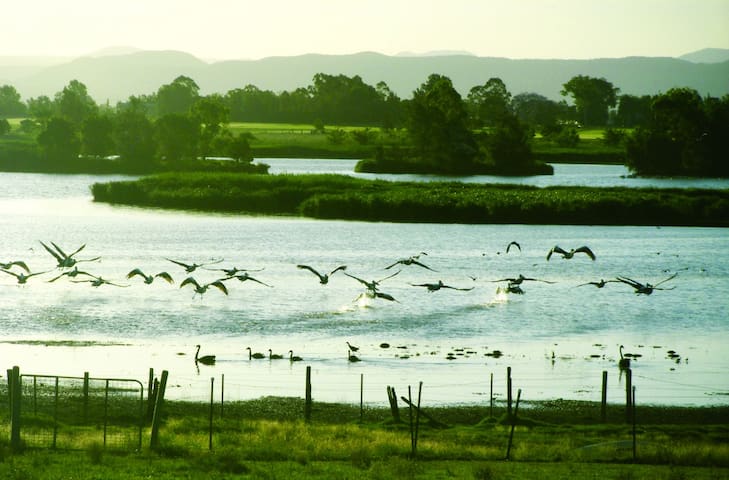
<point x="41" y="109"/>
<point x="633" y="110"/>
<point x="177" y="97"/>
<point x="593" y="97"/>
<point x="438" y="127"/>
<point x="177" y="138"/>
<point x="10" y="102"/>
<point x="134" y="138"/>
<point x="211" y="112"/>
<point x="74" y="103"/>
<point x="60" y="140"/>
<point x="97" y="136"/>
<point x="537" y="110"/>
<point x="489" y="103"/>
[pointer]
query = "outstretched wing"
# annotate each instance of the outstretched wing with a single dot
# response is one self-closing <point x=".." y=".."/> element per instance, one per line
<point x="219" y="285"/>
<point x="74" y="253"/>
<point x="52" y="252"/>
<point x="390" y="266"/>
<point x="556" y="249"/>
<point x="514" y="244"/>
<point x="19" y="263"/>
<point x="456" y="288"/>
<point x="165" y="276"/>
<point x="664" y="281"/>
<point x="188" y="280"/>
<point x="136" y="271"/>
<point x="307" y="267"/>
<point x="183" y="265"/>
<point x="247" y="277"/>
<point x="383" y="279"/>
<point x="631" y="282"/>
<point x="385" y="296"/>
<point x="415" y="262"/>
<point x="586" y="250"/>
<point x="363" y="282"/>
<point x="341" y="267"/>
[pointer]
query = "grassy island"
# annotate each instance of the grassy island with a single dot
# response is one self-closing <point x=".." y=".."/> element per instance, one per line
<point x="348" y="198"/>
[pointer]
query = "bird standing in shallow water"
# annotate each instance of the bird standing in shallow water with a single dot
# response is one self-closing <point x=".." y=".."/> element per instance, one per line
<point x="205" y="359"/>
<point x="323" y="277"/>
<point x="567" y="255"/>
<point x="294" y="358"/>
<point x="254" y="355"/>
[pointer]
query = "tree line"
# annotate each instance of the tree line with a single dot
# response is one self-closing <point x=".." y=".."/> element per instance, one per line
<point x="176" y="124"/>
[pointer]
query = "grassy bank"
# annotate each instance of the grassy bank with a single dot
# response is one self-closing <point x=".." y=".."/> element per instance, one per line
<point x="343" y="197"/>
<point x="266" y="438"/>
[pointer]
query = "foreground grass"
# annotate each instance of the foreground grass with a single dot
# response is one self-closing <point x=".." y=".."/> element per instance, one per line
<point x="348" y="198"/>
<point x="266" y="438"/>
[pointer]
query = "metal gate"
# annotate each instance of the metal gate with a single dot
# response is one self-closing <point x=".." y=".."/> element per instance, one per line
<point x="81" y="412"/>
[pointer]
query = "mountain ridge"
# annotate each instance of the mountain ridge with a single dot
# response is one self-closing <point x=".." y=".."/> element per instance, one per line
<point x="115" y="77"/>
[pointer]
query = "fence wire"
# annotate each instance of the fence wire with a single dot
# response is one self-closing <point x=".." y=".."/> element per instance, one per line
<point x="81" y="412"/>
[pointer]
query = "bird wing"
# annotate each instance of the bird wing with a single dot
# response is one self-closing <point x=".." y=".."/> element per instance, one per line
<point x="52" y="252"/>
<point x="363" y="282"/>
<point x="183" y="265"/>
<point x="61" y="252"/>
<point x="556" y="249"/>
<point x="389" y="276"/>
<point x="664" y="281"/>
<point x="214" y="262"/>
<point x="19" y="263"/>
<point x="587" y="251"/>
<point x="257" y="281"/>
<point x="220" y="286"/>
<point x="74" y="253"/>
<point x="390" y="266"/>
<point x="306" y="267"/>
<point x="539" y="280"/>
<point x="165" y="276"/>
<point x="341" y="267"/>
<point x="386" y="296"/>
<point x="428" y="285"/>
<point x="56" y="278"/>
<point x="10" y="273"/>
<point x="456" y="288"/>
<point x="513" y="243"/>
<point x="189" y="280"/>
<point x="630" y="282"/>
<point x="422" y="265"/>
<point x="134" y="272"/>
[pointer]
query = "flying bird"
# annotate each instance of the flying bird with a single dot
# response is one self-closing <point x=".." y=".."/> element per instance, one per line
<point x="201" y="289"/>
<point x="244" y="277"/>
<point x="519" y="280"/>
<point x="567" y="255"/>
<point x="374" y="283"/>
<point x="323" y="278"/>
<point x="647" y="288"/>
<point x="72" y="274"/>
<point x="233" y="271"/>
<point x="599" y="284"/>
<point x="19" y="263"/>
<point x="64" y="260"/>
<point x="148" y="279"/>
<point x="189" y="268"/>
<point x="432" y="287"/>
<point x="98" y="281"/>
<point x="411" y="261"/>
<point x="515" y="244"/>
<point x="21" y="277"/>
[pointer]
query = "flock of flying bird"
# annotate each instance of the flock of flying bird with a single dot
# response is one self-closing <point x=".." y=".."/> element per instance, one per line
<point x="67" y="266"/>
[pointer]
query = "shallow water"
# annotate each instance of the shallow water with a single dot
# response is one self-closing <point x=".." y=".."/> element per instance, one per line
<point x="558" y="338"/>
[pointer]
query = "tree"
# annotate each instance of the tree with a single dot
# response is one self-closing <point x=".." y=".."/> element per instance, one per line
<point x="177" y="97"/>
<point x="537" y="110"/>
<point x="593" y="97"/>
<point x="211" y="113"/>
<point x="41" y="109"/>
<point x="508" y="146"/>
<point x="633" y="110"/>
<point x="60" y="140"/>
<point x="4" y="126"/>
<point x="177" y="137"/>
<point x="489" y="103"/>
<point x="133" y="135"/>
<point x="74" y="103"/>
<point x="437" y="124"/>
<point x="10" y="103"/>
<point x="97" y="136"/>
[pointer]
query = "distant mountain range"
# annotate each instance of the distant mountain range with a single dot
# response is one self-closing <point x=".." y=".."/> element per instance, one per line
<point x="116" y="73"/>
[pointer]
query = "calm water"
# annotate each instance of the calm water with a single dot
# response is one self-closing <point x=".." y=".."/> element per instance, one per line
<point x="557" y="338"/>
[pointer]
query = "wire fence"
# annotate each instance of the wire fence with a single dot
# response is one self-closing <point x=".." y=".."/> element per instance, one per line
<point x="79" y="412"/>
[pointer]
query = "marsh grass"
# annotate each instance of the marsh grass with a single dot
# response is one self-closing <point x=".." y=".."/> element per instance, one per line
<point x="348" y="198"/>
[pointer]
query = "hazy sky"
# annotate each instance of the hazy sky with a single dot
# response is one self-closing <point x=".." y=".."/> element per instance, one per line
<point x="225" y="29"/>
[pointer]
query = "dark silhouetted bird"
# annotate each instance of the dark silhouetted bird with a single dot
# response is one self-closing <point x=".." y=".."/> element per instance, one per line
<point x="323" y="277"/>
<point x="567" y="255"/>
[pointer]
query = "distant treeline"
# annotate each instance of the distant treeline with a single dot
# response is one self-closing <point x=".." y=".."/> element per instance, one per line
<point x="343" y="197"/>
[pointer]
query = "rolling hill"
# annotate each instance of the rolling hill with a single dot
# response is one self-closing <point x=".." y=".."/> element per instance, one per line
<point x="116" y="77"/>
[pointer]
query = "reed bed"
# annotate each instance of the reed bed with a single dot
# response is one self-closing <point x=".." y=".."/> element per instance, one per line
<point x="348" y="198"/>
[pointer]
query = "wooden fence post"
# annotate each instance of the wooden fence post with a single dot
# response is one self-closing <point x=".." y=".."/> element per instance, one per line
<point x="394" y="409"/>
<point x="212" y="404"/>
<point x="628" y="394"/>
<point x="157" y="416"/>
<point x="513" y="424"/>
<point x="307" y="404"/>
<point x="508" y="391"/>
<point x="603" y="406"/>
<point x="491" y="396"/>
<point x="86" y="396"/>
<point x="634" y="431"/>
<point x="222" y="393"/>
<point x="14" y="395"/>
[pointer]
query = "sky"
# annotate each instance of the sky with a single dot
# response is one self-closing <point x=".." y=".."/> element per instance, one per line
<point x="243" y="29"/>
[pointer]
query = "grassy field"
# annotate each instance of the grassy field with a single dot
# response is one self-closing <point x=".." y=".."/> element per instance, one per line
<point x="348" y="198"/>
<point x="267" y="438"/>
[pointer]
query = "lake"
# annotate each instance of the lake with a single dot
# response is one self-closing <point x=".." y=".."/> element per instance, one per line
<point x="557" y="337"/>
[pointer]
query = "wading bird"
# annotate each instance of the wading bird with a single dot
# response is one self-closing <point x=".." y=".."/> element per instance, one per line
<point x="411" y="261"/>
<point x="323" y="278"/>
<point x="646" y="289"/>
<point x="189" y="268"/>
<point x="567" y="255"/>
<point x="599" y="284"/>
<point x="623" y="363"/>
<point x="19" y="263"/>
<point x="66" y="261"/>
<point x="433" y="287"/>
<point x="294" y="358"/>
<point x="257" y="355"/>
<point x="244" y="277"/>
<point x="205" y="359"/>
<point x="201" y="289"/>
<point x="148" y="279"/>
<point x="21" y="277"/>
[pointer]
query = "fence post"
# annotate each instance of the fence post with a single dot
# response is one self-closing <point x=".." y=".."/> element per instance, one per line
<point x="508" y="391"/>
<point x="628" y="394"/>
<point x="55" y="415"/>
<point x="513" y="424"/>
<point x="150" y="391"/>
<point x="106" y="402"/>
<point x="634" y="432"/>
<point x="361" y="396"/>
<point x="86" y="396"/>
<point x="14" y="396"/>
<point x="222" y="393"/>
<point x="157" y="416"/>
<point x="394" y="409"/>
<point x="307" y="404"/>
<point x="603" y="407"/>
<point x="491" y="397"/>
<point x="210" y="434"/>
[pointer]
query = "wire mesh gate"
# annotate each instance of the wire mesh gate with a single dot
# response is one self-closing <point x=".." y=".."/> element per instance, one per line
<point x="80" y="412"/>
